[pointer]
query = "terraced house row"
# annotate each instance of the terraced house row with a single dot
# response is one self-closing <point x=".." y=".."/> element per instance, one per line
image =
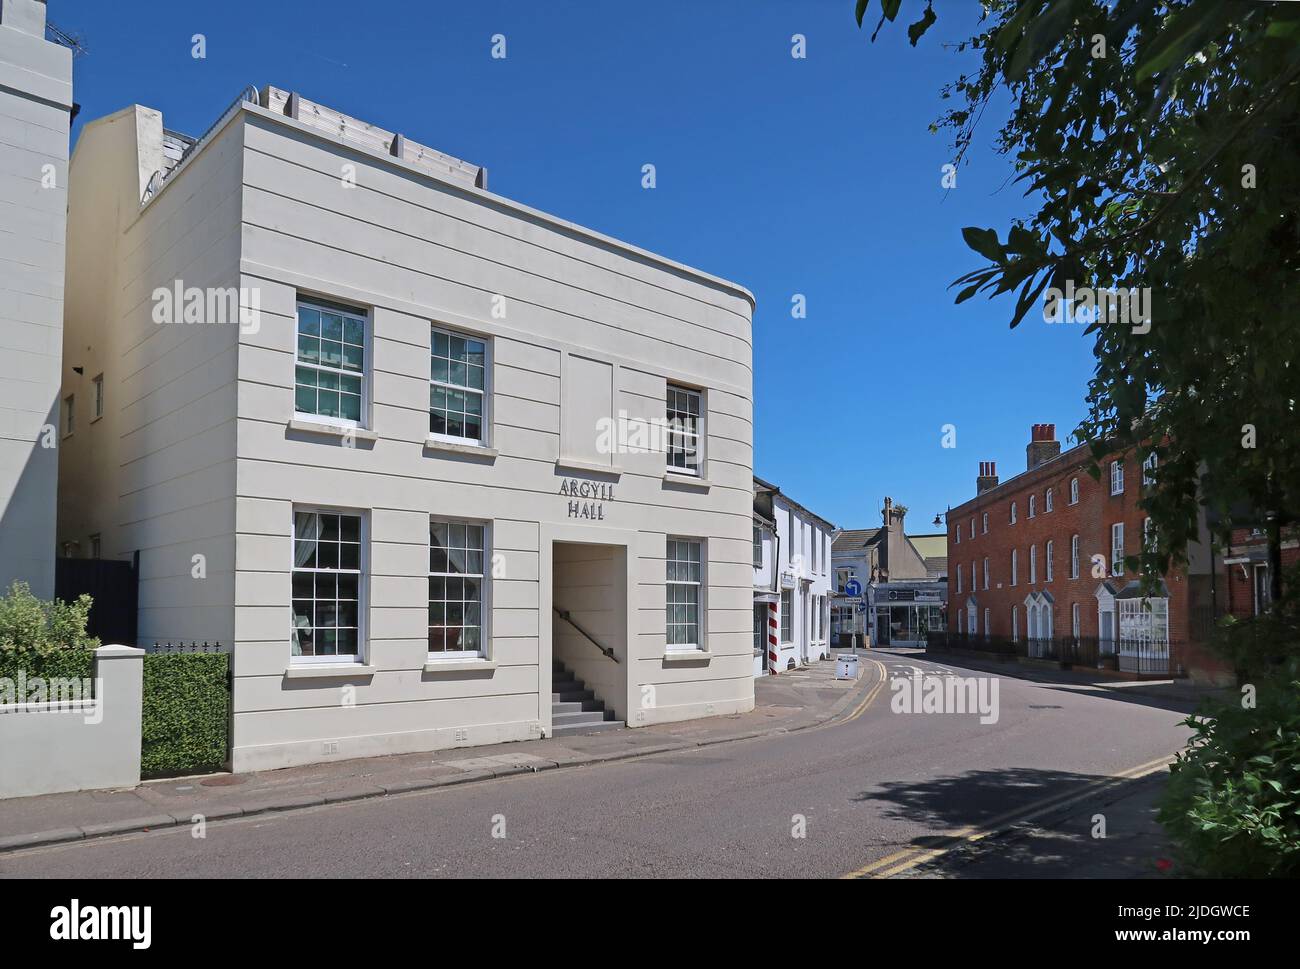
<point x="382" y="433"/>
<point x="1040" y="558"/>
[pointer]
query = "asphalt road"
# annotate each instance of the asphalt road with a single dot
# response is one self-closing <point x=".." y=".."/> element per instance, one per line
<point x="865" y="789"/>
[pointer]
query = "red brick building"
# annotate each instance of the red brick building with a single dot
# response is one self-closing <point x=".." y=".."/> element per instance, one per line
<point x="1039" y="559"/>
<point x="1246" y="573"/>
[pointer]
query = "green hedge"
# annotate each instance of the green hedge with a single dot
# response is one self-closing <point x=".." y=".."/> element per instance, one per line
<point x="64" y="664"/>
<point x="186" y="713"/>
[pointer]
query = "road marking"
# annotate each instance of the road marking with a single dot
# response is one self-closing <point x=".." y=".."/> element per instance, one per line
<point x="866" y="702"/>
<point x="908" y="858"/>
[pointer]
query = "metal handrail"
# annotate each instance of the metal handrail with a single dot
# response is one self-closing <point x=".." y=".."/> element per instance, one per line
<point x="564" y="614"/>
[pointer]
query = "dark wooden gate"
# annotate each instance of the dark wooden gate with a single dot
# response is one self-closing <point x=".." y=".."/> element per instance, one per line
<point x="113" y="586"/>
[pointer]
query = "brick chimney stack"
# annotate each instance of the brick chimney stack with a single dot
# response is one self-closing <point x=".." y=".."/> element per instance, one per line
<point x="1043" y="445"/>
<point x="988" y="477"/>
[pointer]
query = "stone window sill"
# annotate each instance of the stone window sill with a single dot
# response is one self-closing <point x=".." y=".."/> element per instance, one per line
<point x="333" y="430"/>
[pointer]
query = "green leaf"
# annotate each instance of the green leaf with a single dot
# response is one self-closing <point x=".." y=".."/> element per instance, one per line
<point x="985" y="242"/>
<point x="1180" y="38"/>
<point x="918" y="29"/>
<point x="862" y="10"/>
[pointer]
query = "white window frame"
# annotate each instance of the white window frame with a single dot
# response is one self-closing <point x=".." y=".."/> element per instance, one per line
<point x="485" y="591"/>
<point x="1049" y="503"/>
<point x="1074" y="491"/>
<point x="1117" y="477"/>
<point x="1074" y="556"/>
<point x="1149" y="468"/>
<point x="1033" y="506"/>
<point x="986" y="572"/>
<point x="1075" y="620"/>
<point x="1117" y="548"/>
<point x="322" y="305"/>
<point x="363" y="586"/>
<point x="485" y="403"/>
<point x="758" y="547"/>
<point x="1015" y="566"/>
<point x="700" y="587"/>
<point x="698" y="435"/>
<point x="1013" y="513"/>
<point x="1015" y="624"/>
<point x="985" y="523"/>
<point x="1033" y="564"/>
<point x="1048" y="549"/>
<point x="1139" y="616"/>
<point x="959" y="589"/>
<point x="786" y="627"/>
<point x="1148" y="536"/>
<point x="957" y="533"/>
<point x="972" y="526"/>
<point x="97" y="398"/>
<point x="987" y="630"/>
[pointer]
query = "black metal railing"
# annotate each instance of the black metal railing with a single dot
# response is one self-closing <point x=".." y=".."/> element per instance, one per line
<point x="1082" y="652"/>
<point x="564" y="614"/>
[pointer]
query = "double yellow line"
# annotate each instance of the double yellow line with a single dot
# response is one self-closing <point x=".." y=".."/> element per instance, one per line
<point x="908" y="858"/>
<point x="871" y="695"/>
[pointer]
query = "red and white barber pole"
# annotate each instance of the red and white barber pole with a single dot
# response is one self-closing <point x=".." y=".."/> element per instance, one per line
<point x="773" y="626"/>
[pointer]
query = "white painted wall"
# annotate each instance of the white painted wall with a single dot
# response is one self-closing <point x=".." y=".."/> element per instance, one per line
<point x="78" y="745"/>
<point x="804" y="567"/>
<point x="35" y="102"/>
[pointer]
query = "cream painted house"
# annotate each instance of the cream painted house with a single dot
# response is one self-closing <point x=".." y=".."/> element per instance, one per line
<point x="441" y="469"/>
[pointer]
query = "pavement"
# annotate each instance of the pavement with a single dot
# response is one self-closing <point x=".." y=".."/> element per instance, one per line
<point x="791" y="701"/>
<point x="1175" y="694"/>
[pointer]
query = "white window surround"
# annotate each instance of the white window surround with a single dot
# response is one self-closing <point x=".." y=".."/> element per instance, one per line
<point x="684" y="409"/>
<point x="1074" y="556"/>
<point x="1033" y="506"/>
<point x="1074" y="620"/>
<point x="1049" y="502"/>
<point x="686" y="566"/>
<point x="97" y="398"/>
<point x="1149" y="468"/>
<point x="1074" y="491"/>
<point x="1117" y="477"/>
<point x="1117" y="548"/>
<point x="468" y="544"/>
<point x="354" y="314"/>
<point x="957" y="533"/>
<point x="352" y="661"/>
<point x="972" y="526"/>
<point x="1033" y="564"/>
<point x="985" y="523"/>
<point x="959" y="577"/>
<point x="452" y="386"/>
<point x="1013" y="513"/>
<point x="986" y="572"/>
<point x="1047" y="561"/>
<point x="1015" y="564"/>
<point x="787" y="617"/>
<point x="1015" y="624"/>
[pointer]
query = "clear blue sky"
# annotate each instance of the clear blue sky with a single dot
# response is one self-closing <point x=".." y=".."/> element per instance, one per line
<point x="814" y="176"/>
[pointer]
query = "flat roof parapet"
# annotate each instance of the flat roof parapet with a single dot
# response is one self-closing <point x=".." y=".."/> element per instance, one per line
<point x="364" y="135"/>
